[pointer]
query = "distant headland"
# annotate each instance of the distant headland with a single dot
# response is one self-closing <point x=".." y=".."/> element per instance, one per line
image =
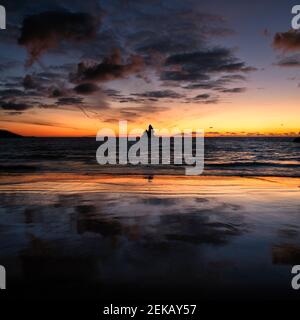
<point x="7" y="134"/>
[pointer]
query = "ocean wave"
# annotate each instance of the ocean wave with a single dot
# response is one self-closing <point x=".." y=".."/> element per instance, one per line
<point x="253" y="164"/>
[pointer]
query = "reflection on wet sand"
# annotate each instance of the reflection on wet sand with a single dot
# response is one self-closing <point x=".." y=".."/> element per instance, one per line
<point x="141" y="237"/>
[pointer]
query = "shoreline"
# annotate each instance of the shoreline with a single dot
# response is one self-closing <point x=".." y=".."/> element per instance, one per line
<point x="72" y="183"/>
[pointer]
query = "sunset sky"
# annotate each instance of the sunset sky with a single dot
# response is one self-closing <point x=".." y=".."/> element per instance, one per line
<point x="72" y="67"/>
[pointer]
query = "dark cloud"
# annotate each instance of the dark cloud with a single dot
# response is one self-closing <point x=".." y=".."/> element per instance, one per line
<point x="111" y="68"/>
<point x="292" y="61"/>
<point x="212" y="69"/>
<point x="156" y="40"/>
<point x="233" y="77"/>
<point x="163" y="45"/>
<point x="112" y="92"/>
<point x="69" y="101"/>
<point x="135" y="99"/>
<point x="43" y="31"/>
<point x="203" y="99"/>
<point x="287" y="41"/>
<point x="125" y="99"/>
<point x="166" y="29"/>
<point x="146" y="97"/>
<point x="234" y="90"/>
<point x="218" y="84"/>
<point x="30" y="83"/>
<point x="10" y="84"/>
<point x="42" y="81"/>
<point x="200" y="64"/>
<point x="14" y="106"/>
<point x="183" y="75"/>
<point x="203" y="96"/>
<point x="209" y="85"/>
<point x="86" y="88"/>
<point x="11" y="93"/>
<point x="13" y="113"/>
<point x="159" y="94"/>
<point x="55" y="93"/>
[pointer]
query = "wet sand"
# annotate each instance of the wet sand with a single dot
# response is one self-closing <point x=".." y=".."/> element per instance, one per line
<point x="108" y="237"/>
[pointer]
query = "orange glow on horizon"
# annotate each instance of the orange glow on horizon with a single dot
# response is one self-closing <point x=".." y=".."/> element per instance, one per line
<point x="247" y="116"/>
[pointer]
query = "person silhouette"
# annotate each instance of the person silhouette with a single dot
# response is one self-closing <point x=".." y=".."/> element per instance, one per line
<point x="149" y="131"/>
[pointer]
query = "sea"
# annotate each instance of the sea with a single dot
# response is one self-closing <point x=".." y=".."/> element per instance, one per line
<point x="223" y="156"/>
